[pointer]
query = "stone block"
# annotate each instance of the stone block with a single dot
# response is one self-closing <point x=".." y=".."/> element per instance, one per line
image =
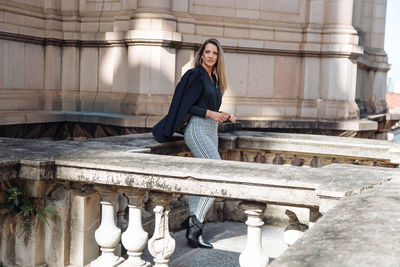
<point x="162" y="70"/>
<point x="287" y="36"/>
<point x="106" y="69"/>
<point x="184" y="62"/>
<point x="209" y="30"/>
<point x="311" y="78"/>
<point x="214" y="10"/>
<point x="337" y="79"/>
<point x="291" y="110"/>
<point x="35" y="22"/>
<point x="36" y="170"/>
<point x="287" y="77"/>
<point x="247" y="110"/>
<point x="120" y="61"/>
<point x="85" y="218"/>
<point x="261" y="76"/>
<point x="52" y="69"/>
<point x="88" y="73"/>
<point x="245" y="13"/>
<point x="308" y="110"/>
<point x="34" y="66"/>
<point x="7" y="240"/>
<point x="70" y="69"/>
<point x="1" y="64"/>
<point x="69" y="5"/>
<point x="13" y="65"/>
<point x="261" y="34"/>
<point x="273" y="111"/>
<point x="327" y="109"/>
<point x="129" y="4"/>
<point x="236" y="32"/>
<point x="237" y="69"/>
<point x="180" y="5"/>
<point x="186" y="28"/>
<point x="29" y="248"/>
<point x="58" y="231"/>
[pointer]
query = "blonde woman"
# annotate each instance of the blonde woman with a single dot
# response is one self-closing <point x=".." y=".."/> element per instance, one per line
<point x="199" y="94"/>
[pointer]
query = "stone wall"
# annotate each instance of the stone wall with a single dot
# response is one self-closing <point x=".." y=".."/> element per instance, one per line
<point x="285" y="59"/>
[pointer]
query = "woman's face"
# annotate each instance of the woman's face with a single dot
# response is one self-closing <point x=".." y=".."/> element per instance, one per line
<point x="210" y="55"/>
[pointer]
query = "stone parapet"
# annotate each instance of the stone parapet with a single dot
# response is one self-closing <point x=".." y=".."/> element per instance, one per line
<point x="113" y="164"/>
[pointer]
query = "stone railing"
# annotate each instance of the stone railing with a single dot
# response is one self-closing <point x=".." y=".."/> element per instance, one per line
<point x="81" y="175"/>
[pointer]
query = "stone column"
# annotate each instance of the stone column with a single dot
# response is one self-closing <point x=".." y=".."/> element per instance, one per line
<point x="253" y="255"/>
<point x="108" y="234"/>
<point x="161" y="245"/>
<point x="135" y="238"/>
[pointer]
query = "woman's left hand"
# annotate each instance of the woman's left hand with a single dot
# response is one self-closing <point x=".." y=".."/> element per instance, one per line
<point x="232" y="118"/>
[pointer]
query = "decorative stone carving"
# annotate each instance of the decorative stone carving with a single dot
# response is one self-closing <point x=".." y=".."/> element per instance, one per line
<point x="108" y="234"/>
<point x="135" y="238"/>
<point x="253" y="255"/>
<point x="294" y="230"/>
<point x="161" y="245"/>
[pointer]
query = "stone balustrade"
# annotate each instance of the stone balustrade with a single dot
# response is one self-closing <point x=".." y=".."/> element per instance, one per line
<point x="63" y="173"/>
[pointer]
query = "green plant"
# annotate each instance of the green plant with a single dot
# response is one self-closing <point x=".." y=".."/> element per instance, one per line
<point x="26" y="209"/>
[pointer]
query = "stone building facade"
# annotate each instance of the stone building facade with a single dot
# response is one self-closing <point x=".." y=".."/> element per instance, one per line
<point x="286" y="59"/>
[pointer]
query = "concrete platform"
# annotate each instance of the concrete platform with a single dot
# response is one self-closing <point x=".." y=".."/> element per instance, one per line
<point x="229" y="240"/>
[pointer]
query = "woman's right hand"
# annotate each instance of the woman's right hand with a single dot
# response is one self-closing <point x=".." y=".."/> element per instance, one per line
<point x="217" y="116"/>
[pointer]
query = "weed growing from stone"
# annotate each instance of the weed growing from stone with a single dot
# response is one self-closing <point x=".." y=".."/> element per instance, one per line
<point x="26" y="209"/>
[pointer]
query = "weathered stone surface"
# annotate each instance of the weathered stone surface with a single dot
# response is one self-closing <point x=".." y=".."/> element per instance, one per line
<point x="29" y="247"/>
<point x="362" y="230"/>
<point x="85" y="218"/>
<point x="57" y="232"/>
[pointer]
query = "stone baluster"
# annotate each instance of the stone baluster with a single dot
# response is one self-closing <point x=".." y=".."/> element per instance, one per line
<point x="135" y="238"/>
<point x="108" y="234"/>
<point x="253" y="255"/>
<point x="161" y="245"/>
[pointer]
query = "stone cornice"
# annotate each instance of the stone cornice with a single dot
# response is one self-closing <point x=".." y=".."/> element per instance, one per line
<point x="101" y="40"/>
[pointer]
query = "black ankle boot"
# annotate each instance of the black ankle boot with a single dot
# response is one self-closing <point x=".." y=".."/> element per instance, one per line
<point x="194" y="229"/>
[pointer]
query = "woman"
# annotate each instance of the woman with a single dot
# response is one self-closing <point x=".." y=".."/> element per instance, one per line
<point x="199" y="93"/>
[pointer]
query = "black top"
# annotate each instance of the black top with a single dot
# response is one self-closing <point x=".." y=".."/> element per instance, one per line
<point x="194" y="94"/>
<point x="210" y="97"/>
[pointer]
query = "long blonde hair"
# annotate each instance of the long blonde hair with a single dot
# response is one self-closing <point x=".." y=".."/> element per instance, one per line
<point x="219" y="68"/>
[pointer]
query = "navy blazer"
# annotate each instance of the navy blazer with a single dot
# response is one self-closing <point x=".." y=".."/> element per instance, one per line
<point x="185" y="96"/>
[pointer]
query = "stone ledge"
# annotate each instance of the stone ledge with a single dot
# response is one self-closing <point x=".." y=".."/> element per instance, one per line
<point x="345" y="125"/>
<point x="362" y="230"/>
<point x="40" y="116"/>
<point x="312" y="144"/>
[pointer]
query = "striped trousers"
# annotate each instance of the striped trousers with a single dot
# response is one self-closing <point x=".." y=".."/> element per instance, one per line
<point x="201" y="137"/>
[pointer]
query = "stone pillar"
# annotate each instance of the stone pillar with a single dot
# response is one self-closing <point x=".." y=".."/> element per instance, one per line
<point x="108" y="234"/>
<point x="85" y="218"/>
<point x="373" y="64"/>
<point x="253" y="255"/>
<point x="161" y="245"/>
<point x="135" y="238"/>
